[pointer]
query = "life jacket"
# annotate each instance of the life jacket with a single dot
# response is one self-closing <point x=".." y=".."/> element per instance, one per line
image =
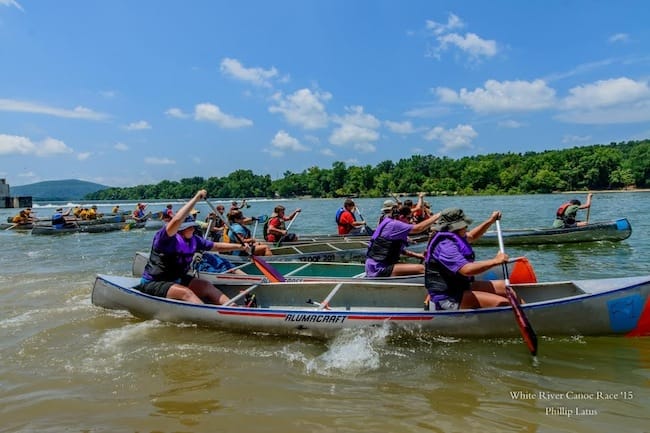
<point x="437" y="278"/>
<point x="233" y="235"/>
<point x="383" y="250"/>
<point x="265" y="230"/>
<point x="339" y="213"/>
<point x="560" y="211"/>
<point x="173" y="266"/>
<point x="561" y="214"/>
<point x="58" y="221"/>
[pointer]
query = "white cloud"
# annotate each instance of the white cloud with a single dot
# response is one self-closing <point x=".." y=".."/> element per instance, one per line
<point x="256" y="76"/>
<point x="607" y="93"/>
<point x="35" y="108"/>
<point x="327" y="152"/>
<point x="619" y="37"/>
<point x="177" y="113"/>
<point x="212" y="113"/>
<point x="453" y="23"/>
<point x="283" y="141"/>
<point x="400" y="127"/>
<point x="82" y="156"/>
<point x="303" y="108"/>
<point x="505" y="96"/>
<point x="614" y="101"/>
<point x="457" y="138"/>
<point x="356" y="129"/>
<point x="13" y="3"/>
<point x="470" y="43"/>
<point x="121" y="147"/>
<point x="17" y="145"/>
<point x="138" y="126"/>
<point x="154" y="160"/>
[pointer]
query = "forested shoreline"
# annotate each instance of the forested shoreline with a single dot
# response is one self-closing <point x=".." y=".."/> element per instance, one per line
<point x="596" y="167"/>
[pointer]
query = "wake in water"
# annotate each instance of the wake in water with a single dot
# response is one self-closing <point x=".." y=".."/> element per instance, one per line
<point x="353" y="351"/>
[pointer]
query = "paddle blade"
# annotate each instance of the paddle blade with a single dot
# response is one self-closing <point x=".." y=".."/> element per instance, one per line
<point x="269" y="271"/>
<point x="522" y="272"/>
<point x="527" y="332"/>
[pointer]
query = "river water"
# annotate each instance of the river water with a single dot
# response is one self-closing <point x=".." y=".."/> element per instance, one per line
<point x="68" y="366"/>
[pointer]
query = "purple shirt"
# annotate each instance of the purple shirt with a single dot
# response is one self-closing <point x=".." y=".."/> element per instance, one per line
<point x="177" y="253"/>
<point x="392" y="230"/>
<point x="448" y="254"/>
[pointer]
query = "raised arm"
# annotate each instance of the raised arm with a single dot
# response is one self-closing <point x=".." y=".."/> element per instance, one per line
<point x="480" y="229"/>
<point x="172" y="226"/>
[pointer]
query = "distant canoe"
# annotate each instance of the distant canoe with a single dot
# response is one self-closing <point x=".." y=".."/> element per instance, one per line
<point x="615" y="306"/>
<point x="335" y="251"/>
<point x="97" y="226"/>
<point x="612" y="231"/>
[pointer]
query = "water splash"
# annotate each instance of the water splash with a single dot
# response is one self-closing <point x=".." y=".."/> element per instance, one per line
<point x="353" y="351"/>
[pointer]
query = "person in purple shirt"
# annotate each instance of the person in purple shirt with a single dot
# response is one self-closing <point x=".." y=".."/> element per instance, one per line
<point x="389" y="241"/>
<point x="450" y="265"/>
<point x="172" y="251"/>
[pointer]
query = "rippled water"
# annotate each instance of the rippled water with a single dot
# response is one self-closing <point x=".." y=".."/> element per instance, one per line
<point x="66" y="365"/>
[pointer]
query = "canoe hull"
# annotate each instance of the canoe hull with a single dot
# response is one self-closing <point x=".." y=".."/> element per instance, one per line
<point x="611" y="231"/>
<point x="616" y="306"/>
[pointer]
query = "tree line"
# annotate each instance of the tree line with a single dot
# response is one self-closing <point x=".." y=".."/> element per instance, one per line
<point x="595" y="167"/>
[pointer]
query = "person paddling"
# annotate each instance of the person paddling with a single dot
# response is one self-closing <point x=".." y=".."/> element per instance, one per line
<point x="565" y="216"/>
<point x="172" y="252"/>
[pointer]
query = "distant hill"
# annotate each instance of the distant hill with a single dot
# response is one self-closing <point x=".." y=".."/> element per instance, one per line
<point x="70" y="189"/>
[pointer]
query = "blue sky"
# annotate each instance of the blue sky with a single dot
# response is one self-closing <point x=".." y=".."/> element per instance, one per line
<point x="133" y="92"/>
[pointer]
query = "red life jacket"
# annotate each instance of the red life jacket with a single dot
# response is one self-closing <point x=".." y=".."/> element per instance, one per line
<point x="560" y="211"/>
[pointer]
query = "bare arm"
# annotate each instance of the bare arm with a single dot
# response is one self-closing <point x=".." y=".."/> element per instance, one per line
<point x="172" y="226"/>
<point x="477" y="267"/>
<point x="588" y="204"/>
<point x="424" y="224"/>
<point x="480" y="229"/>
<point x="225" y="247"/>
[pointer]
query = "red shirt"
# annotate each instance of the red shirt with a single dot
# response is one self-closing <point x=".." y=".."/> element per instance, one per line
<point x="345" y="222"/>
<point x="277" y="223"/>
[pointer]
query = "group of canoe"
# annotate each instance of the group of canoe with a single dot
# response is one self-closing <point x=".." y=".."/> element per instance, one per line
<point x="105" y="223"/>
<point x="304" y="288"/>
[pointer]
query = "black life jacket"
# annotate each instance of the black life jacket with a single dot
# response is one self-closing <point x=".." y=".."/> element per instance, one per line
<point x="383" y="250"/>
<point x="439" y="279"/>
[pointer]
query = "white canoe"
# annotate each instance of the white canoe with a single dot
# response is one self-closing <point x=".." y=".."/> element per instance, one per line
<point x="582" y="307"/>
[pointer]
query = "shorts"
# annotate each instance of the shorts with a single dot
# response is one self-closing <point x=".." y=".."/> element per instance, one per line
<point x="160" y="288"/>
<point x="444" y="302"/>
<point x="386" y="272"/>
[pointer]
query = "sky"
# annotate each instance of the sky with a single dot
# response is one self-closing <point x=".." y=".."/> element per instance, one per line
<point x="126" y="93"/>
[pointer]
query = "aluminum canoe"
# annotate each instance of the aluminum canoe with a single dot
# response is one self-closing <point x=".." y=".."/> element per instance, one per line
<point x="613" y="306"/>
<point x="613" y="231"/>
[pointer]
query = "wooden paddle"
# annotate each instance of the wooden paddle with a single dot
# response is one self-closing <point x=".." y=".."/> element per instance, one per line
<point x="527" y="332"/>
<point x="12" y="226"/>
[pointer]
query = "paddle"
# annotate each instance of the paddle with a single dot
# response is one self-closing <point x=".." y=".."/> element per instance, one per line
<point x="271" y="273"/>
<point x="12" y="226"/>
<point x="260" y="219"/>
<point x="524" y="325"/>
<point x="279" y="242"/>
<point x="366" y="229"/>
